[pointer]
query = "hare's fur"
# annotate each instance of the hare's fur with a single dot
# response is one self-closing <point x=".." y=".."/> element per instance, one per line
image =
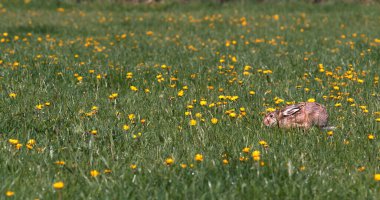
<point x="302" y="115"/>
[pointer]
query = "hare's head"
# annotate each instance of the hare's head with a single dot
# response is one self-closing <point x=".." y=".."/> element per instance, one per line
<point x="270" y="119"/>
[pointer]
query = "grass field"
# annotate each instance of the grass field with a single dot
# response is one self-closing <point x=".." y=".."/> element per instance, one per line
<point x="166" y="101"/>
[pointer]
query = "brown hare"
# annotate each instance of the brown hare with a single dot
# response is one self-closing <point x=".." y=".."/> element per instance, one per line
<point x="302" y="115"/>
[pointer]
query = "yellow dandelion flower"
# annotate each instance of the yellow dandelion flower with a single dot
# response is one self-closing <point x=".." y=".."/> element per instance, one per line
<point x="113" y="96"/>
<point x="125" y="127"/>
<point x="18" y="146"/>
<point x="133" y="166"/>
<point x="12" y="95"/>
<point x="256" y="155"/>
<point x="330" y="133"/>
<point x="214" y="120"/>
<point x="9" y="193"/>
<point x="376" y="177"/>
<point x="371" y="136"/>
<point x="180" y="93"/>
<point x="150" y="33"/>
<point x="198" y="157"/>
<point x="60" y="10"/>
<point x="183" y="165"/>
<point x="169" y="161"/>
<point x="94" y="173"/>
<point x="94" y="132"/>
<point x="193" y="122"/>
<point x="58" y="185"/>
<point x="107" y="171"/>
<point x="338" y="105"/>
<point x="232" y="115"/>
<point x="198" y="115"/>
<point x="131" y="116"/>
<point x="311" y="100"/>
<point x="133" y="88"/>
<point x="13" y="141"/>
<point x="246" y="150"/>
<point x="39" y="106"/>
<point x="31" y="142"/>
<point x="225" y="161"/>
<point x="60" y="162"/>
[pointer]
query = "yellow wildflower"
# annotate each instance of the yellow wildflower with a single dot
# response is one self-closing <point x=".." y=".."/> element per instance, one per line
<point x="94" y="173"/>
<point x="58" y="185"/>
<point x="198" y="157"/>
<point x="169" y="161"/>
<point x="9" y="193"/>
<point x="193" y="122"/>
<point x="12" y="95"/>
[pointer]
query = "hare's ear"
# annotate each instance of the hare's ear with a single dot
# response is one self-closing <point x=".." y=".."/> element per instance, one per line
<point x="291" y="110"/>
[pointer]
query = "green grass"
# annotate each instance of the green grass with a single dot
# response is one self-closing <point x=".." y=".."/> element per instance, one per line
<point x="190" y="40"/>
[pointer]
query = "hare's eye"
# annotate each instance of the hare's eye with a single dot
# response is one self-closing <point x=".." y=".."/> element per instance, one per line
<point x="271" y="115"/>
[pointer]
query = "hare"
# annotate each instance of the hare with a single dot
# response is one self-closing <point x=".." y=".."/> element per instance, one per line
<point x="302" y="115"/>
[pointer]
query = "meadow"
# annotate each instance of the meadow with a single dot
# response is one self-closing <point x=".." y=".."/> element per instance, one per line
<point x="166" y="101"/>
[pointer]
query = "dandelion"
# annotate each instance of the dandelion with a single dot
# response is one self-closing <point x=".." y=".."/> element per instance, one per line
<point x="276" y="17"/>
<point x="203" y="103"/>
<point x="232" y="115"/>
<point x="13" y="141"/>
<point x="169" y="161"/>
<point x="107" y="171"/>
<point x="378" y="119"/>
<point x="12" y="95"/>
<point x="58" y="185"/>
<point x="60" y="162"/>
<point x="39" y="106"/>
<point x="9" y="193"/>
<point x="245" y="150"/>
<point x="149" y="33"/>
<point x="133" y="88"/>
<point x="311" y="100"/>
<point x="94" y="173"/>
<point x="214" y="120"/>
<point x="183" y="165"/>
<point x="338" y="105"/>
<point x="125" y="127"/>
<point x="256" y="155"/>
<point x="94" y="132"/>
<point x="131" y="116"/>
<point x="376" y="177"/>
<point x="371" y="136"/>
<point x="61" y="10"/>
<point x="193" y="122"/>
<point x="180" y="93"/>
<point x="198" y="157"/>
<point x="18" y="146"/>
<point x="330" y="133"/>
<point x="113" y="96"/>
<point x="133" y="166"/>
<point x="225" y="161"/>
